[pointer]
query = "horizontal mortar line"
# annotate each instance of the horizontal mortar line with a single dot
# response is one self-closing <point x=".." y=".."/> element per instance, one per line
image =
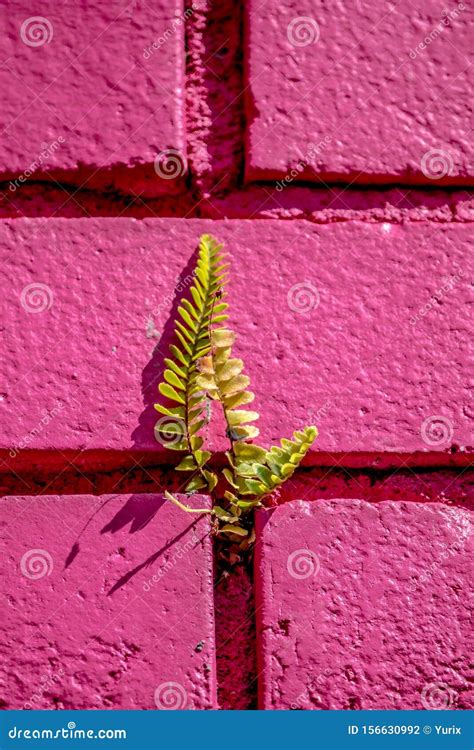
<point x="101" y="472"/>
<point x="349" y="187"/>
<point x="152" y="203"/>
<point x="384" y="183"/>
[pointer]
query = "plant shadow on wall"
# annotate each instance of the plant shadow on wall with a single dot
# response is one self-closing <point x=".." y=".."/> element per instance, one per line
<point x="141" y="508"/>
<point x="201" y="373"/>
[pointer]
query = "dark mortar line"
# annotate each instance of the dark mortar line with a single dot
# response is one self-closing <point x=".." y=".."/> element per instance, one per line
<point x="125" y="479"/>
<point x="364" y="187"/>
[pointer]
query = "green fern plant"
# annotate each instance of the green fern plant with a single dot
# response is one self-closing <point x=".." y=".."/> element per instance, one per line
<point x="201" y="370"/>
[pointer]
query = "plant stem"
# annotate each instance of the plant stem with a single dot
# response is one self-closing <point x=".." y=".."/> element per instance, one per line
<point x="184" y="507"/>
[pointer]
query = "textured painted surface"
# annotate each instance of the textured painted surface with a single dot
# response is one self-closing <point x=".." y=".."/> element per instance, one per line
<point x="377" y="362"/>
<point x="351" y="305"/>
<point x="363" y="606"/>
<point x="81" y="100"/>
<point x="105" y="600"/>
<point x="351" y="79"/>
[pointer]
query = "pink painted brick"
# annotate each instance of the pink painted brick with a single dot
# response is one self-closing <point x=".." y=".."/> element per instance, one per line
<point x="107" y="603"/>
<point x="363" y="606"/>
<point x="85" y="100"/>
<point x="337" y="325"/>
<point x="351" y="79"/>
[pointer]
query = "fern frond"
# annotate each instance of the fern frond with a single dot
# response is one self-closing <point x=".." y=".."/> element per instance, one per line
<point x="197" y="314"/>
<point x="221" y="376"/>
<point x="262" y="476"/>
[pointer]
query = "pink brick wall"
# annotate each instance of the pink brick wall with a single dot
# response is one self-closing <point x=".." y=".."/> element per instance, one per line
<point x="329" y="150"/>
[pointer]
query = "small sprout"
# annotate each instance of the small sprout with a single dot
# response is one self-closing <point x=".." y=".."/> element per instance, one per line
<point x="200" y="370"/>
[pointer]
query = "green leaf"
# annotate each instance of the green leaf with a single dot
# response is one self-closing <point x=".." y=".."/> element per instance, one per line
<point x="248" y="504"/>
<point x="173" y="379"/>
<point x="238" y="399"/>
<point x="168" y="391"/>
<point x="231" y="529"/>
<point x="182" y="445"/>
<point x="224" y="515"/>
<point x="196" y="483"/>
<point x="187" y="318"/>
<point x="287" y="470"/>
<point x="202" y="457"/>
<point x="183" y="357"/>
<point x="171" y="411"/>
<point x="257" y="488"/>
<point x="171" y="428"/>
<point x="230" y="496"/>
<point x="211" y="479"/>
<point x="223" y="337"/>
<point x="234" y="385"/>
<point x="173" y="366"/>
<point x="263" y="474"/>
<point x="187" y="464"/>
<point x="196" y="426"/>
<point x="241" y="417"/>
<point x="230" y="478"/>
<point x="248" y="452"/>
<point x="245" y="432"/>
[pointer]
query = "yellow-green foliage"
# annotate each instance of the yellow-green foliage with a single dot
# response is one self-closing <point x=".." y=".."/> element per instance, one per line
<point x="201" y="369"/>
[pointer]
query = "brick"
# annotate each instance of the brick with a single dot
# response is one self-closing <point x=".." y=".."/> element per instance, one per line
<point x="338" y="326"/>
<point x="108" y="604"/>
<point x="363" y="606"/>
<point x="348" y="91"/>
<point x="88" y="100"/>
